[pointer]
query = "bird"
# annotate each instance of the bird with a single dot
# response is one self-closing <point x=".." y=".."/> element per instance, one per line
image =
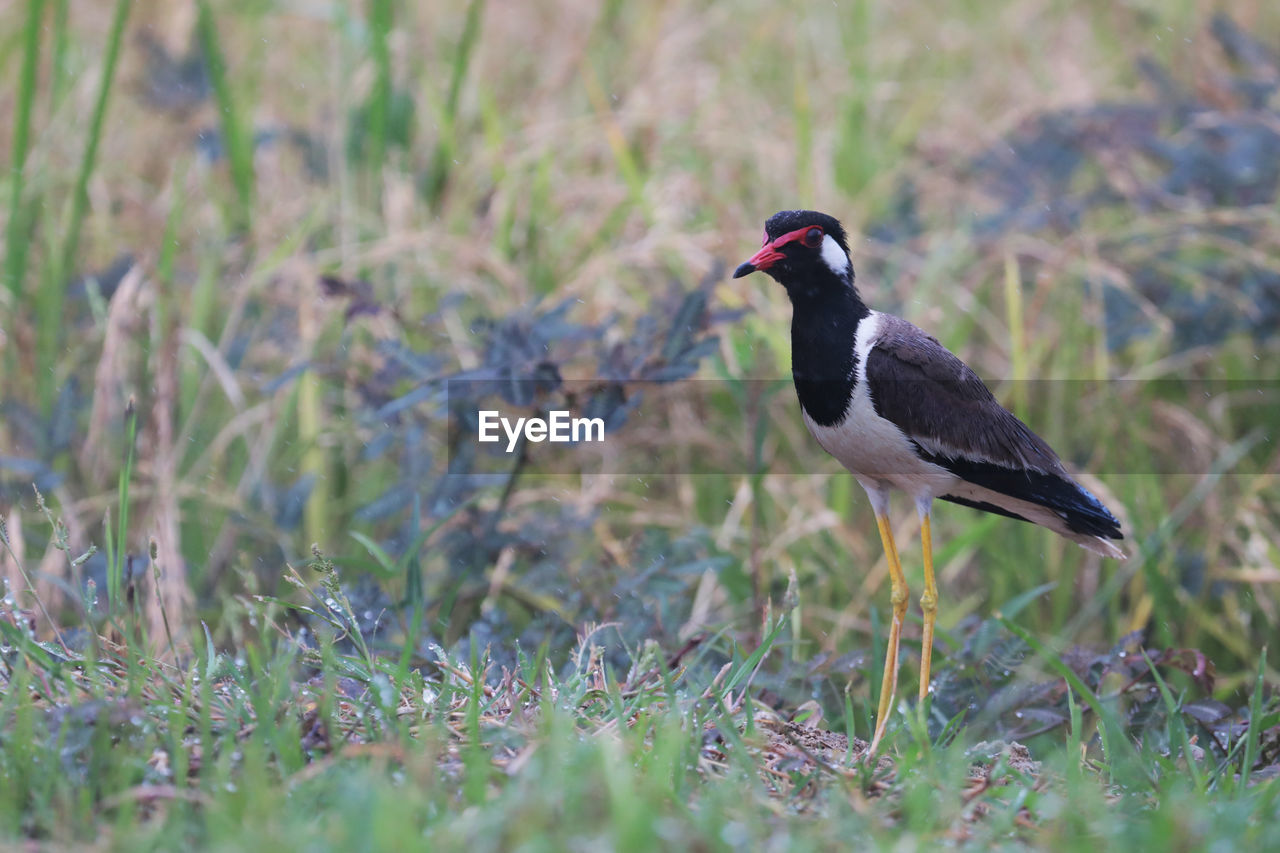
<point x="901" y="413"/>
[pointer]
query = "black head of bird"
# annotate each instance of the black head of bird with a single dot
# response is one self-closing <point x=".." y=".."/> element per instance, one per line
<point x="803" y="250"/>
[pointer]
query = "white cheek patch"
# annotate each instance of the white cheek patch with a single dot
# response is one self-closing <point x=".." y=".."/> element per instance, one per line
<point x="834" y="256"/>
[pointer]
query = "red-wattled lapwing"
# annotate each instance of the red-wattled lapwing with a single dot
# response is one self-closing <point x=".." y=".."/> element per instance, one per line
<point x="899" y="411"/>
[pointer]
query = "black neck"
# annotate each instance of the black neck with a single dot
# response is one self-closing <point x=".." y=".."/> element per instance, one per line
<point x="824" y="325"/>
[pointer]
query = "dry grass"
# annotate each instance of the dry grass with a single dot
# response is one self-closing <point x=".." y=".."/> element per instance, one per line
<point x="596" y="151"/>
<point x="632" y="143"/>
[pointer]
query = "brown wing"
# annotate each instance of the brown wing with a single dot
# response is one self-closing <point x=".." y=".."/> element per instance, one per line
<point x="942" y="405"/>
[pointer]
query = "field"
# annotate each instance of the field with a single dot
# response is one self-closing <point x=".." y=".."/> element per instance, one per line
<point x="264" y="261"/>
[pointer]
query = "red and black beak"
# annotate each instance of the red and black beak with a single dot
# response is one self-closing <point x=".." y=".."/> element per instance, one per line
<point x="761" y="260"/>
<point x="771" y="252"/>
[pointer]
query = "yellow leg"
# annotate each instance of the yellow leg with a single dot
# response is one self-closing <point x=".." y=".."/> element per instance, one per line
<point x="898" y="598"/>
<point x="929" y="604"/>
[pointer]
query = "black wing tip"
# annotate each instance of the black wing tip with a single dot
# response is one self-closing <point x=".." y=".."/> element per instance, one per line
<point x="1090" y="513"/>
<point x="1084" y="521"/>
<point x="1080" y="510"/>
<point x="1105" y="527"/>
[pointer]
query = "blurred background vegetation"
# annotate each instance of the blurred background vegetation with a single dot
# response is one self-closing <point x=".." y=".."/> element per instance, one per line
<point x="247" y="244"/>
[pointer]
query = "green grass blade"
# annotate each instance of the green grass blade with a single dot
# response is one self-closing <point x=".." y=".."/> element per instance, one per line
<point x="462" y="59"/>
<point x="89" y="160"/>
<point x="1178" y="724"/>
<point x="16" y="238"/>
<point x="58" y="59"/>
<point x="749" y="665"/>
<point x="385" y="562"/>
<point x="381" y="21"/>
<point x="1255" y="717"/>
<point x="439" y="174"/>
<point x="1019" y="603"/>
<point x="54" y="282"/>
<point x="116" y="546"/>
<point x="238" y="140"/>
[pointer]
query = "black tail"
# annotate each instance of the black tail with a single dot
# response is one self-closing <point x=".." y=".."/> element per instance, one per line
<point x="1072" y="502"/>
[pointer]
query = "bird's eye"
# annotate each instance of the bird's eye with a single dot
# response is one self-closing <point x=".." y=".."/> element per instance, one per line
<point x="812" y="238"/>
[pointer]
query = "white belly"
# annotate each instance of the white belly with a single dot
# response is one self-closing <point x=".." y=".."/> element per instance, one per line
<point x="879" y="456"/>
<point x="872" y="448"/>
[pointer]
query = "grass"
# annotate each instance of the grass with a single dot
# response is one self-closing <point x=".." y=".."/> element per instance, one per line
<point x="198" y="425"/>
<point x="237" y="138"/>
<point x="234" y="751"/>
